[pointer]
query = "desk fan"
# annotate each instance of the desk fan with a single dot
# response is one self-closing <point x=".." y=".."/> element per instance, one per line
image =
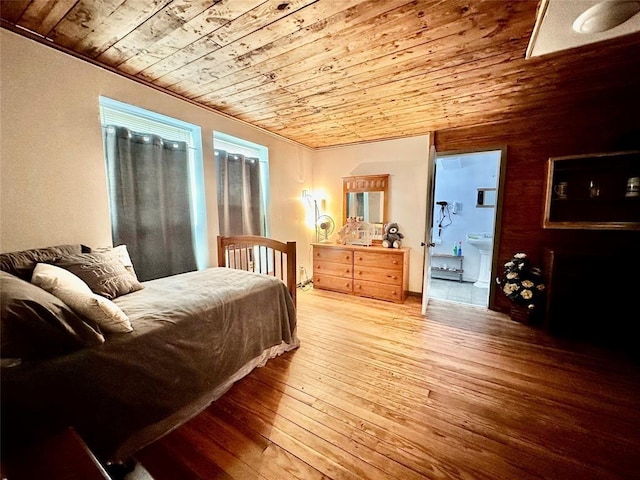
<point x="324" y="227"/>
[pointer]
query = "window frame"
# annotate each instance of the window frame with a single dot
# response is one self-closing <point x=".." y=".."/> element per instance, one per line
<point x="250" y="149"/>
<point x="192" y="134"/>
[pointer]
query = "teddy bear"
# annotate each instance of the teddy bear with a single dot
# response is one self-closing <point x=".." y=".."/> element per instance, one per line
<point x="348" y="229"/>
<point x="392" y="238"/>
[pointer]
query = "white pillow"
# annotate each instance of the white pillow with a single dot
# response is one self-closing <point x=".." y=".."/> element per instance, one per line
<point x="78" y="296"/>
<point x="120" y="253"/>
<point x="49" y="277"/>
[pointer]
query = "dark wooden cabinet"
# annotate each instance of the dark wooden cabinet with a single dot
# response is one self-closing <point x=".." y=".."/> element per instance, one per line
<point x="592" y="295"/>
<point x="598" y="191"/>
<point x="59" y="455"/>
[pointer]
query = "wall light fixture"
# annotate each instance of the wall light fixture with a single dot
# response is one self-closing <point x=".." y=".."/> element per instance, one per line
<point x="606" y="15"/>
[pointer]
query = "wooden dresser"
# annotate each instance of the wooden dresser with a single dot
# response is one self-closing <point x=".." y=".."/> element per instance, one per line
<point x="376" y="272"/>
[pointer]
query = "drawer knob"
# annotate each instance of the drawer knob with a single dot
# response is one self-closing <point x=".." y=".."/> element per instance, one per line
<point x="395" y="262"/>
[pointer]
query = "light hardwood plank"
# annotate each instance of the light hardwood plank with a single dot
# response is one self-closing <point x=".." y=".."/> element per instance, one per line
<point x="376" y="390"/>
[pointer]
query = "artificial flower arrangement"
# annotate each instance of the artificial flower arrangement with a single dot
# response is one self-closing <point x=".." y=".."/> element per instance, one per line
<point x="522" y="283"/>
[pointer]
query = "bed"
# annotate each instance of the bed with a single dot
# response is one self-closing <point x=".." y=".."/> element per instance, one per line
<point x="192" y="336"/>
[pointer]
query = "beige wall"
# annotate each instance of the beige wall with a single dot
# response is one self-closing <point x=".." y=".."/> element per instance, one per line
<point x="53" y="187"/>
<point x="406" y="160"/>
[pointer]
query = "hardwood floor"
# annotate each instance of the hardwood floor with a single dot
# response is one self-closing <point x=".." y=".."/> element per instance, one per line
<point x="377" y="391"/>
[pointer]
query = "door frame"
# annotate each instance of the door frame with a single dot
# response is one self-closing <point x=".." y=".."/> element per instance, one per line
<point x="502" y="168"/>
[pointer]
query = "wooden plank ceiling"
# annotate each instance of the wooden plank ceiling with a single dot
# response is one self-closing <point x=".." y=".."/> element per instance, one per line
<point x="318" y="72"/>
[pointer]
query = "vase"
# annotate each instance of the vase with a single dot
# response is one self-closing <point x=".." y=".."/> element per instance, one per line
<point x="520" y="314"/>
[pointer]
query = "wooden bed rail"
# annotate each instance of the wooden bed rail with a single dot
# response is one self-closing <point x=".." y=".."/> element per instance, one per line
<point x="260" y="255"/>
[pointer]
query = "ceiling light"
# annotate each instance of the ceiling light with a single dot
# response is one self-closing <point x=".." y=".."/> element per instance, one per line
<point x="606" y="15"/>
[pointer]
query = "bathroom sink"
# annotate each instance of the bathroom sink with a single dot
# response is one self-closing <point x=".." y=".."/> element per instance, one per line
<point x="482" y="241"/>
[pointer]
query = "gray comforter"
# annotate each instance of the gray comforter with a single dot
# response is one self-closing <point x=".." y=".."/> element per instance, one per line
<point x="194" y="335"/>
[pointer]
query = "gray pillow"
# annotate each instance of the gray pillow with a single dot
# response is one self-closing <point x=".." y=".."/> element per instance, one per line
<point x="119" y="253"/>
<point x="36" y="324"/>
<point x="104" y="274"/>
<point x="22" y="263"/>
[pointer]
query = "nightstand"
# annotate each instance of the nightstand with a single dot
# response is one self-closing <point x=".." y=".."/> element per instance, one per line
<point x="62" y="455"/>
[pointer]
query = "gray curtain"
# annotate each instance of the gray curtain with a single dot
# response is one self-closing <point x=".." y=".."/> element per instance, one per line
<point x="238" y="194"/>
<point x="150" y="201"/>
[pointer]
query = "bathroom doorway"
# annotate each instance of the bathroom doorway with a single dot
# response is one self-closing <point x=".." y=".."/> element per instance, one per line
<point x="466" y="192"/>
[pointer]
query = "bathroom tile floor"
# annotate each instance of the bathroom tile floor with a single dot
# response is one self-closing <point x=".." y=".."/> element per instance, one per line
<point x="461" y="292"/>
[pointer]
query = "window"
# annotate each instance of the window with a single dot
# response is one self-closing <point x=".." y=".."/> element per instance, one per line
<point x="242" y="173"/>
<point x="156" y="188"/>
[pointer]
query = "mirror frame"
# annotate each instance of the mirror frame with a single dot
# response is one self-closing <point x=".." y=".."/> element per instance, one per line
<point x="366" y="183"/>
<point x="482" y="201"/>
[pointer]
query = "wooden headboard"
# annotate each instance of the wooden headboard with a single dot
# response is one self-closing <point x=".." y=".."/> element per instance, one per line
<point x="260" y="255"/>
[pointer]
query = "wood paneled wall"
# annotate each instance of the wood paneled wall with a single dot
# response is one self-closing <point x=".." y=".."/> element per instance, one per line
<point x="603" y="120"/>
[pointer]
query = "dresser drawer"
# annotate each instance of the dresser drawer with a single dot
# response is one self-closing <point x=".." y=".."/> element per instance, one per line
<point x="387" y="260"/>
<point x="377" y="274"/>
<point x="330" y="268"/>
<point x="393" y="293"/>
<point x="334" y="255"/>
<point x="328" y="282"/>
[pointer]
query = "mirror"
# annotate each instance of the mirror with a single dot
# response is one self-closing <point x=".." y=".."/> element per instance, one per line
<point x="368" y="205"/>
<point x="366" y="196"/>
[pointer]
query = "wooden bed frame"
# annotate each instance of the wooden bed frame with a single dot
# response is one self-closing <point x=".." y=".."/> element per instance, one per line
<point x="260" y="255"/>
